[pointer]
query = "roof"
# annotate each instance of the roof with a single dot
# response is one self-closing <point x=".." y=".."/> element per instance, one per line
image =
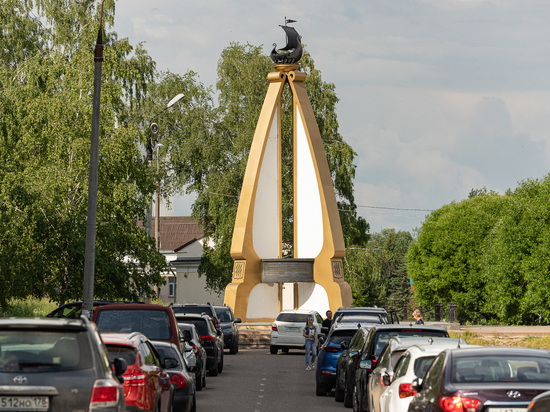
<point x="499" y="350"/>
<point x="42" y="323"/>
<point x="298" y="311"/>
<point x="130" y="339"/>
<point x="177" y="232"/>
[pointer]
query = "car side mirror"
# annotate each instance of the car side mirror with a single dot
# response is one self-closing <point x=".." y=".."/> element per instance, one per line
<point x="170" y="363"/>
<point x="238" y="320"/>
<point x="365" y="364"/>
<point x="322" y="339"/>
<point x="354" y="354"/>
<point x="344" y="345"/>
<point x="416" y="384"/>
<point x="120" y="368"/>
<point x="386" y="378"/>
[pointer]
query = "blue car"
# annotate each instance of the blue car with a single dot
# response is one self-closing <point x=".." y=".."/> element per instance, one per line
<point x="325" y="375"/>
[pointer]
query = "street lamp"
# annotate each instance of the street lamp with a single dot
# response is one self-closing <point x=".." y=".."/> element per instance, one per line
<point x="157" y="202"/>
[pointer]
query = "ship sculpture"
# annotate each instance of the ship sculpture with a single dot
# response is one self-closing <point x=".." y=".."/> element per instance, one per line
<point x="292" y="52"/>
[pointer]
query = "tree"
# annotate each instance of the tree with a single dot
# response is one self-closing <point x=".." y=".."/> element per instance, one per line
<point x="446" y="262"/>
<point x="46" y="85"/>
<point x="221" y="154"/>
<point x="517" y="264"/>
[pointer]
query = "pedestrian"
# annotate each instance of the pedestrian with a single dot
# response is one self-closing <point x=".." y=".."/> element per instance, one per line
<point x="328" y="321"/>
<point x="310" y="332"/>
<point x="418" y="316"/>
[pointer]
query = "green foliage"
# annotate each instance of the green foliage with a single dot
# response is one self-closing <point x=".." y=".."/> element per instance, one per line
<point x="28" y="308"/>
<point x="46" y="87"/>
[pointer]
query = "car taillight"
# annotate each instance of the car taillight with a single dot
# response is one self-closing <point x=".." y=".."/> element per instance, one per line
<point x="274" y="327"/>
<point x="104" y="394"/>
<point x="332" y="349"/>
<point x="207" y="338"/>
<point x="458" y="404"/>
<point x="135" y="379"/>
<point x="179" y="380"/>
<point x="195" y="349"/>
<point x="374" y="361"/>
<point x="216" y="321"/>
<point x="405" y="390"/>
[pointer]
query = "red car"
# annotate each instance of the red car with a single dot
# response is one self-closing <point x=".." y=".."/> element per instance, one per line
<point x="147" y="386"/>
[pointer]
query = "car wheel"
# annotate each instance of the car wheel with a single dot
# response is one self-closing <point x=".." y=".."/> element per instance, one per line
<point x="220" y="364"/>
<point x="198" y="381"/>
<point x="320" y="389"/>
<point x="338" y="392"/>
<point x="214" y="370"/>
<point x="285" y="350"/>
<point x="348" y="396"/>
<point x="273" y="349"/>
<point x="234" y="349"/>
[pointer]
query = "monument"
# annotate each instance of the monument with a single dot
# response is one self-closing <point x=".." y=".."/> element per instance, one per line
<point x="263" y="282"/>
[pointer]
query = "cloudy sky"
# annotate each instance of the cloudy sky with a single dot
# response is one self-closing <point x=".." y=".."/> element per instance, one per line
<point x="437" y="97"/>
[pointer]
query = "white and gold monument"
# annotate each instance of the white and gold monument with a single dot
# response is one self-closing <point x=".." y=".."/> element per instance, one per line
<point x="263" y="282"/>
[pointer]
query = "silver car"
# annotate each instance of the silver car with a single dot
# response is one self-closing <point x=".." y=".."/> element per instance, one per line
<point x="287" y="330"/>
<point x="57" y="365"/>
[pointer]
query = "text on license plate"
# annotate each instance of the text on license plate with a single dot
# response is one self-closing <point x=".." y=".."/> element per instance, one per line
<point x="507" y="410"/>
<point x="290" y="328"/>
<point x="24" y="403"/>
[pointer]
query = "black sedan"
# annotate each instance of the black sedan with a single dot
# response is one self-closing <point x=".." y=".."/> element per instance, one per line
<point x="229" y="328"/>
<point x="492" y="379"/>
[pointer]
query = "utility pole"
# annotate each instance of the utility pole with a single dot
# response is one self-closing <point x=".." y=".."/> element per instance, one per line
<point x="89" y="259"/>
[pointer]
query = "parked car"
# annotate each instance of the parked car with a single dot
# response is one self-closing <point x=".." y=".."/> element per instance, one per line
<point x="540" y="403"/>
<point x="211" y="339"/>
<point x="381" y="377"/>
<point x="147" y="386"/>
<point x="229" y="328"/>
<point x="157" y="322"/>
<point x="198" y="308"/>
<point x="325" y="375"/>
<point x="347" y="362"/>
<point x="193" y="339"/>
<point x="482" y="379"/>
<point x="287" y="330"/>
<point x="378" y="337"/>
<point x="413" y="363"/>
<point x="371" y="311"/>
<point x="73" y="310"/>
<point x="57" y="365"/>
<point x="183" y="381"/>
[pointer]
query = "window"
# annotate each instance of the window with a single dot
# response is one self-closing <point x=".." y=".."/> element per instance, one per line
<point x="171" y="286"/>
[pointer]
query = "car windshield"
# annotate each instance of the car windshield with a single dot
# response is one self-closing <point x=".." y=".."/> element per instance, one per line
<point x="44" y="351"/>
<point x="122" y="352"/>
<point x="200" y="324"/>
<point x="154" y="324"/>
<point x="501" y="369"/>
<point x="224" y="315"/>
<point x="383" y="336"/>
<point x="421" y="365"/>
<point x="339" y="336"/>
<point x="293" y="317"/>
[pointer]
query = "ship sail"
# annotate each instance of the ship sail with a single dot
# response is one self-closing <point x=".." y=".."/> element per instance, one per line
<point x="292" y="38"/>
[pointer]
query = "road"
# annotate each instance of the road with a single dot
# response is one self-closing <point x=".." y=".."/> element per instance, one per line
<point x="256" y="381"/>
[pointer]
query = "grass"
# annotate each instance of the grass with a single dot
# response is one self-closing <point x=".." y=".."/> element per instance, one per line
<point x="29" y="308"/>
<point x="535" y="342"/>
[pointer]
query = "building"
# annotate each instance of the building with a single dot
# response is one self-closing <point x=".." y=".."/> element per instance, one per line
<point x="181" y="242"/>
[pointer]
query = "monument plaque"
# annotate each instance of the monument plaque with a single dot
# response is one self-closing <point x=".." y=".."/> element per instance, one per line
<point x="287" y="270"/>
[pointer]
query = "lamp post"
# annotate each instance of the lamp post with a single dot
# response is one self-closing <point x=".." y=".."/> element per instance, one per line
<point x="157" y="202"/>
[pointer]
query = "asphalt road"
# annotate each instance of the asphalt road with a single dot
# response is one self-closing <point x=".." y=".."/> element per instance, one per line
<point x="256" y="381"/>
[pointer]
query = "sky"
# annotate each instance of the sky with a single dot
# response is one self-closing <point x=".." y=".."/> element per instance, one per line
<point x="437" y="97"/>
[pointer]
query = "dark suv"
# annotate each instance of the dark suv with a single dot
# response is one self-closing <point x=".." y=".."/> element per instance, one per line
<point x="378" y="337"/>
<point x="229" y="328"/>
<point x="211" y="339"/>
<point x="367" y="311"/>
<point x="57" y="365"/>
<point x="196" y="308"/>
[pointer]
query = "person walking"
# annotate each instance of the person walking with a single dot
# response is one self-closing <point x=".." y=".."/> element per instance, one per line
<point x="418" y="316"/>
<point x="328" y="321"/>
<point x="310" y="332"/>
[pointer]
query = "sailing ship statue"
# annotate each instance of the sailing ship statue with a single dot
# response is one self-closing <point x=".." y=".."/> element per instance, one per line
<point x="292" y="52"/>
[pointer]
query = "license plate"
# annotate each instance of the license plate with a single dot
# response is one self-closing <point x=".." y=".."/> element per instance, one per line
<point x="291" y="329"/>
<point x="24" y="403"/>
<point x="507" y="409"/>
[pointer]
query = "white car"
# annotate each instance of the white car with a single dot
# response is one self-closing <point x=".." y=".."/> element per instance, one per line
<point x="414" y="363"/>
<point x="287" y="330"/>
